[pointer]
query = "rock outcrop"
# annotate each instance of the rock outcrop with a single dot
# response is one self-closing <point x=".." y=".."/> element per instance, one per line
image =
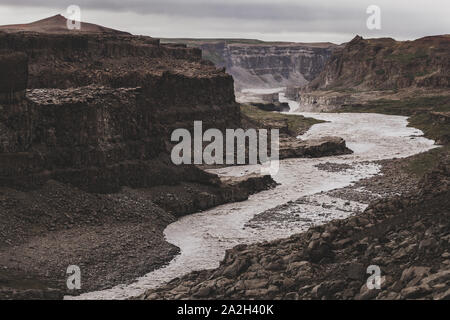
<point x="323" y="101"/>
<point x="100" y="109"/>
<point x="312" y="148"/>
<point x="383" y="64"/>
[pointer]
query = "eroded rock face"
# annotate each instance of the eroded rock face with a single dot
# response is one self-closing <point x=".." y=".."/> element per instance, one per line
<point x="268" y="65"/>
<point x="174" y="79"/>
<point x="101" y="108"/>
<point x="388" y="64"/>
<point x="323" y="101"/>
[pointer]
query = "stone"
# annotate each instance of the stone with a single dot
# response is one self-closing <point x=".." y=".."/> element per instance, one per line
<point x="443" y="295"/>
<point x="295" y="266"/>
<point x="415" y="292"/>
<point x="442" y="276"/>
<point x="343" y="243"/>
<point x="427" y="244"/>
<point x="315" y="236"/>
<point x="275" y="266"/>
<point x="292" y="296"/>
<point x="414" y="272"/>
<point x="356" y="271"/>
<point x="238" y="266"/>
<point x="203" y="292"/>
<point x="255" y="283"/>
<point x="319" y="291"/>
<point x="321" y="251"/>
<point x="367" y="294"/>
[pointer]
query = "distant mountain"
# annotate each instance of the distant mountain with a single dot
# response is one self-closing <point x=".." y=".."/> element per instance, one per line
<point x="58" y="24"/>
<point x="378" y="64"/>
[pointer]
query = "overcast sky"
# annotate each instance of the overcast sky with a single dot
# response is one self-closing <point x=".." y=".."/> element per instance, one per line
<point x="284" y="20"/>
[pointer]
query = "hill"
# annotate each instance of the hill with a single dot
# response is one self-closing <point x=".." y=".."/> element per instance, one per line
<point x="58" y="24"/>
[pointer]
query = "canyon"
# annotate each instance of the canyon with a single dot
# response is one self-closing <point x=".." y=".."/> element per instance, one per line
<point x="86" y="176"/>
<point x="85" y="172"/>
<point x="258" y="64"/>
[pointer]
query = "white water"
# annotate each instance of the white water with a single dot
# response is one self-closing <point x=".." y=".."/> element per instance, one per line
<point x="204" y="237"/>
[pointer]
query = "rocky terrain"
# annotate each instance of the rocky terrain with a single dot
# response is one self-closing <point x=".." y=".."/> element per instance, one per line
<point x="258" y="64"/>
<point x="407" y="237"/>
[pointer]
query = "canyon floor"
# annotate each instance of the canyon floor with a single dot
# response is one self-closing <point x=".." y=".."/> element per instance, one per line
<point x="311" y="192"/>
<point x="407" y="237"/>
<point x="404" y="231"/>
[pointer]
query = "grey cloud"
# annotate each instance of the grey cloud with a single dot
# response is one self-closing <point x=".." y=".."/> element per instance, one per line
<point x="255" y="10"/>
<point x="401" y="18"/>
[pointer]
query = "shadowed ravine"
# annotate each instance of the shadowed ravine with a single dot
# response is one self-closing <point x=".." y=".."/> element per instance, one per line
<point x="204" y="237"/>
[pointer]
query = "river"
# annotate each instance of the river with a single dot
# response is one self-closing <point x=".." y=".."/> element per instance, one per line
<point x="204" y="237"/>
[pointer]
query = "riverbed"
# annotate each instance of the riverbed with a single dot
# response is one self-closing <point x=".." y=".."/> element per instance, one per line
<point x="204" y="237"/>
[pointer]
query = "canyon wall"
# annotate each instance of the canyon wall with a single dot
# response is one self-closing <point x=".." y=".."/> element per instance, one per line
<point x="367" y="70"/>
<point x="258" y="64"/>
<point x="383" y="64"/>
<point x="99" y="109"/>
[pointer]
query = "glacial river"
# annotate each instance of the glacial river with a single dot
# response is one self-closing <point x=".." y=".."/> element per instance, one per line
<point x="204" y="237"/>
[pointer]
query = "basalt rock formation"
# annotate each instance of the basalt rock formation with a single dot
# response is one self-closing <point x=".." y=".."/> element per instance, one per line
<point x="258" y="64"/>
<point x="100" y="108"/>
<point x="366" y="70"/>
<point x="381" y="64"/>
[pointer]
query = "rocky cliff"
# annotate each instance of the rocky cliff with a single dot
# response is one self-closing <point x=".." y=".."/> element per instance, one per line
<point x="380" y="64"/>
<point x="100" y="107"/>
<point x="258" y="64"/>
